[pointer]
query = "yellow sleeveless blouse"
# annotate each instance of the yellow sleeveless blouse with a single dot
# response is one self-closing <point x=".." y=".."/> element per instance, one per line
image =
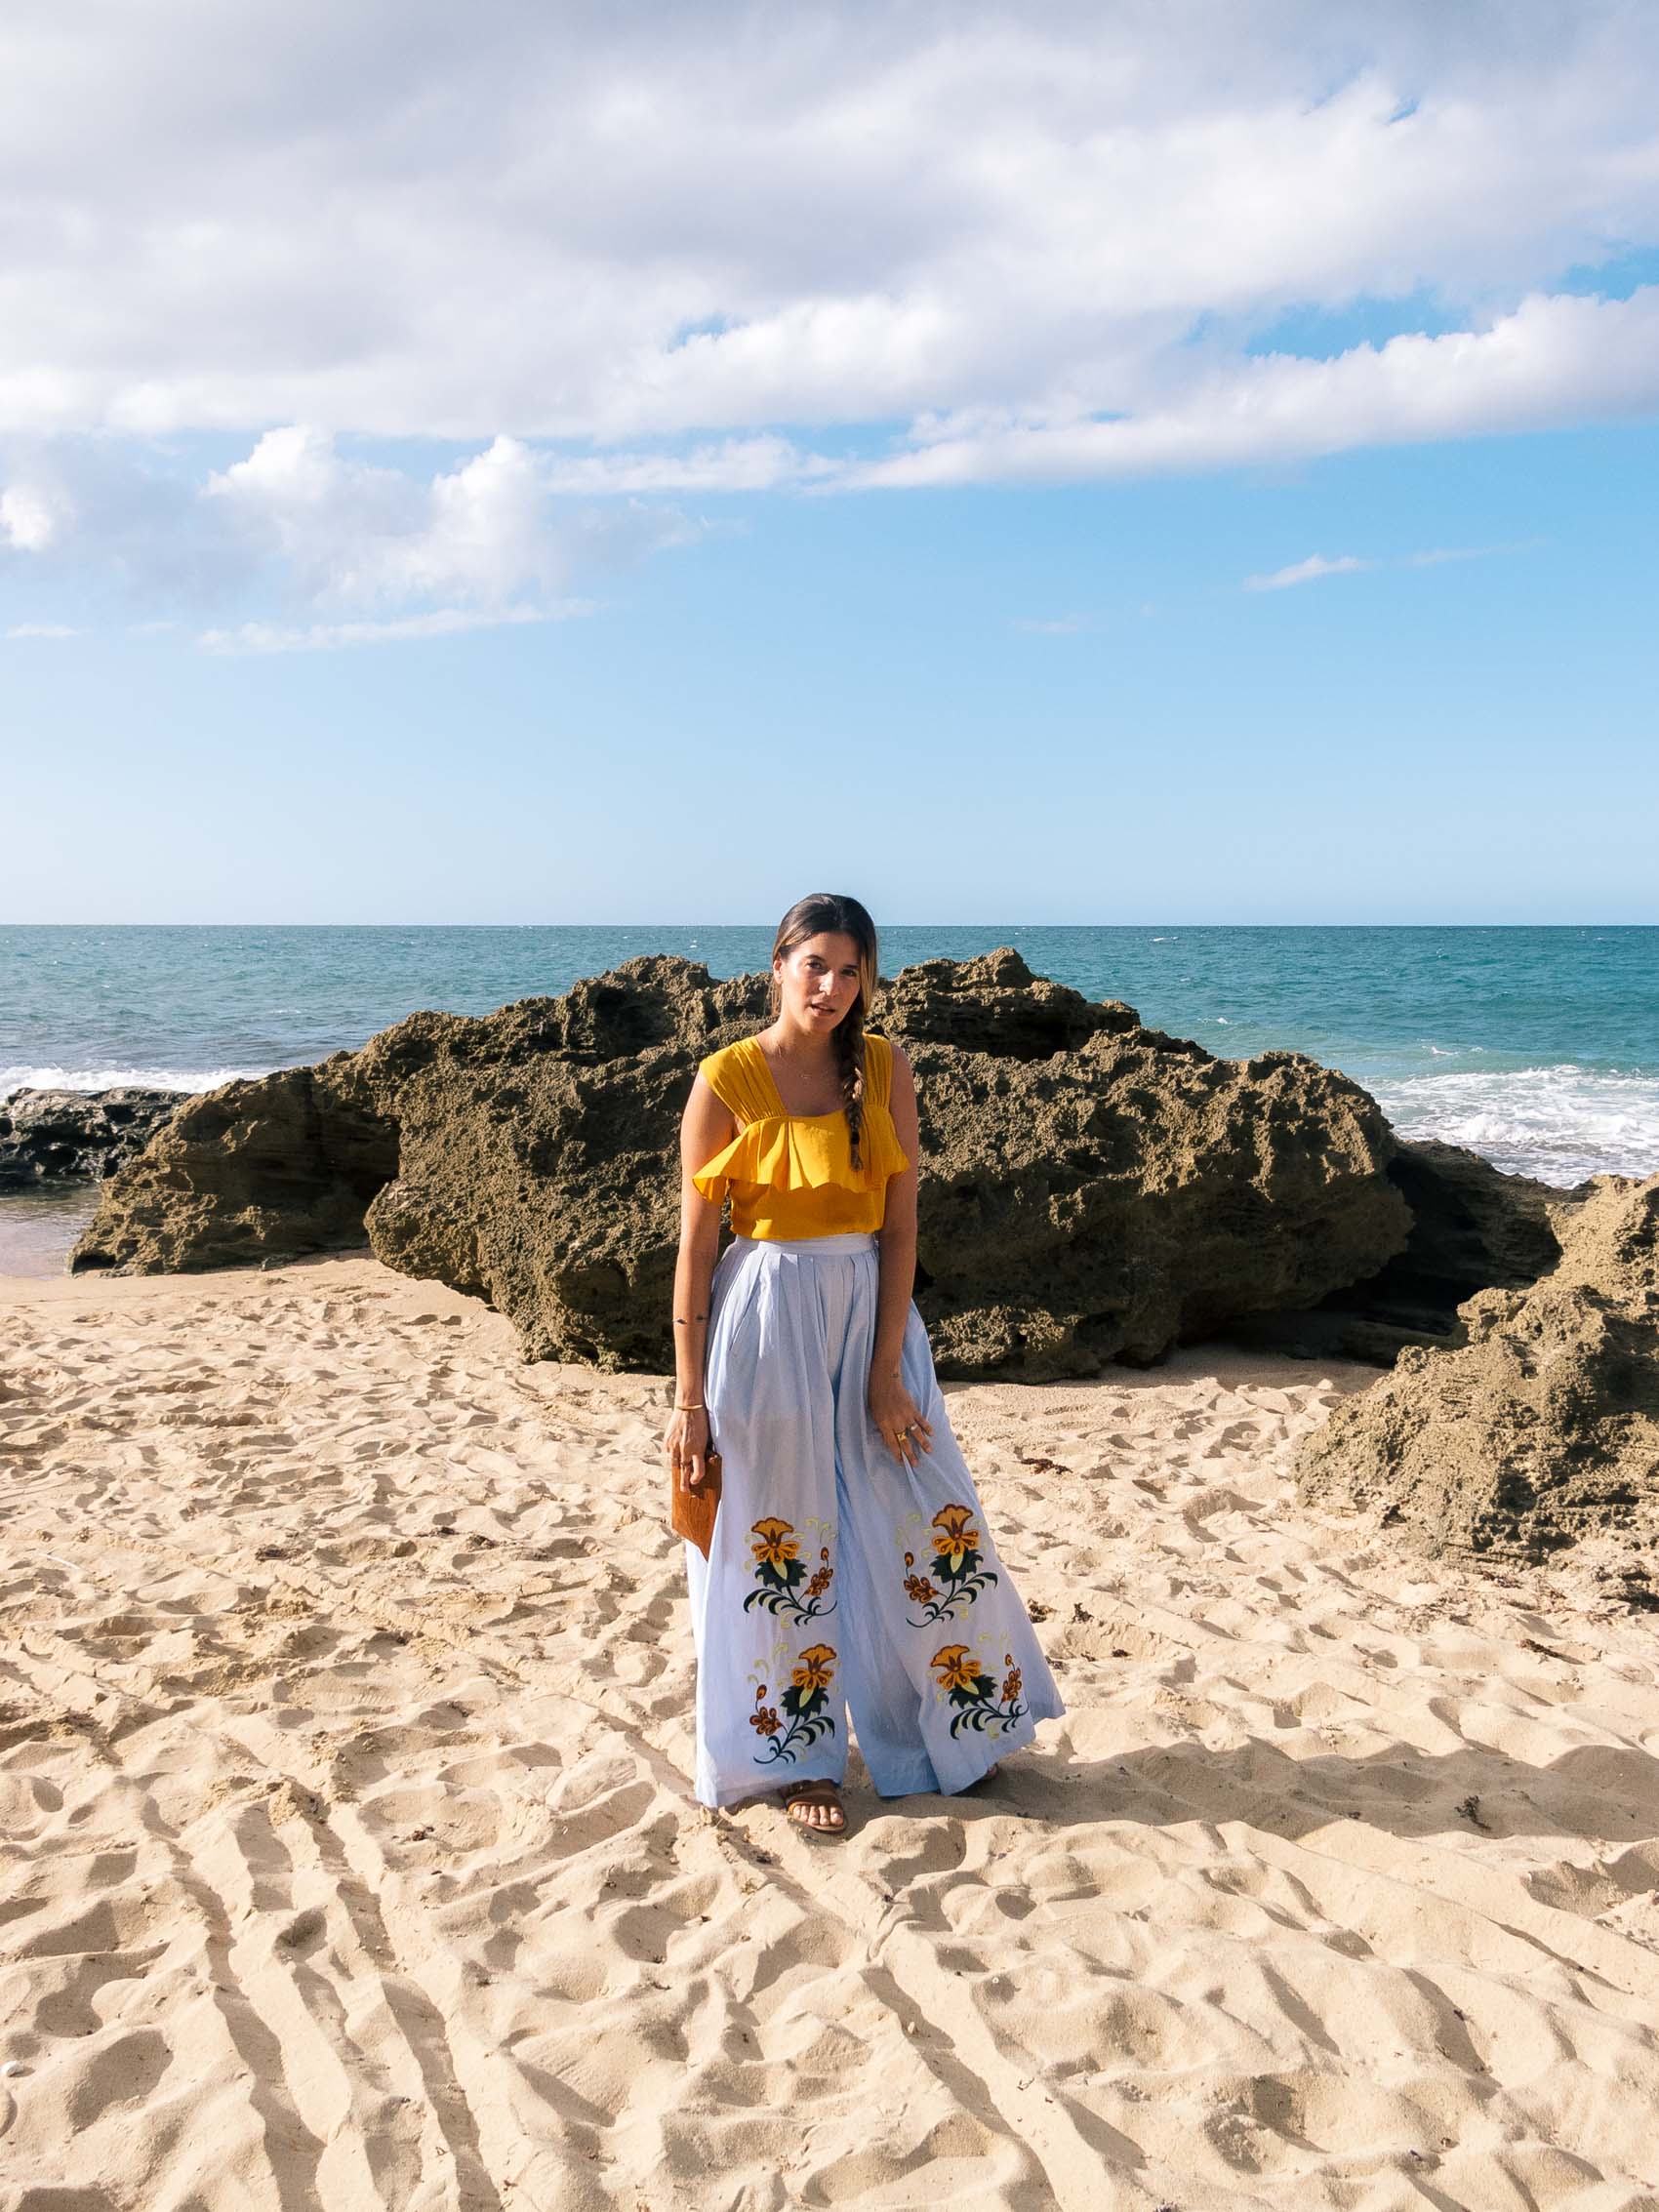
<point x="792" y="1175"/>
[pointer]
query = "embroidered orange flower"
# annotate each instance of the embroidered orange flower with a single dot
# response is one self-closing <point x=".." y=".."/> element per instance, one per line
<point x="815" y="1668"/>
<point x="799" y="1718"/>
<point x="956" y="1537"/>
<point x="955" y="1667"/>
<point x="777" y="1545"/>
<point x="920" y="1589"/>
<point x="1011" y="1685"/>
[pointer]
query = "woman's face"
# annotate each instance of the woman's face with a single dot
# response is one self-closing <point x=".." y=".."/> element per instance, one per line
<point x="819" y="978"/>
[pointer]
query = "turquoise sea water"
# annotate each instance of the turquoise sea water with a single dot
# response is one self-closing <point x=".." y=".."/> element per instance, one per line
<point x="1538" y="1047"/>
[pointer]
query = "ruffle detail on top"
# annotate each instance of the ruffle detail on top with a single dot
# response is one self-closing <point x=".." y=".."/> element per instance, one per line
<point x="781" y="1152"/>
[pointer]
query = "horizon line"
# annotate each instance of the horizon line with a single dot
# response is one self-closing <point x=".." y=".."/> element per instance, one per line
<point x="1577" y="924"/>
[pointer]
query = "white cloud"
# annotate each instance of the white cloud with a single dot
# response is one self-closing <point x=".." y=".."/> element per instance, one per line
<point x="1558" y="359"/>
<point x="619" y="225"/>
<point x="735" y="464"/>
<point x="630" y="257"/>
<point x="1307" y="572"/>
<point x="1316" y="565"/>
<point x="329" y="637"/>
<point x="27" y="518"/>
<point x="327" y="535"/>
<point x="42" y="630"/>
<point x="370" y="536"/>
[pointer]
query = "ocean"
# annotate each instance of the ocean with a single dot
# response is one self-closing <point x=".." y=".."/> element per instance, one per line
<point x="1536" y="1047"/>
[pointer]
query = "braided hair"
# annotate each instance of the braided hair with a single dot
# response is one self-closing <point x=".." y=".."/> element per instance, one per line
<point x="818" y="914"/>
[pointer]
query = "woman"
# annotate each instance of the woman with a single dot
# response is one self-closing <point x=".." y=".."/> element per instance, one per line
<point x="850" y="1565"/>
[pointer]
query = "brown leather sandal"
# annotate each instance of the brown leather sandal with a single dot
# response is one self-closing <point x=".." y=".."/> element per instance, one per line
<point x="821" y="1793"/>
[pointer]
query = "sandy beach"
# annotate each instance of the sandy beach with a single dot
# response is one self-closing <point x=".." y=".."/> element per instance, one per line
<point x="351" y="1860"/>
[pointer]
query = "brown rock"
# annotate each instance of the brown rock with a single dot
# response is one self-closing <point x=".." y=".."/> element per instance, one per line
<point x="1090" y="1189"/>
<point x="994" y="1004"/>
<point x="1543" y="1428"/>
<point x="1108" y="1202"/>
<point x="1473" y="1227"/>
<point x="271" y="1168"/>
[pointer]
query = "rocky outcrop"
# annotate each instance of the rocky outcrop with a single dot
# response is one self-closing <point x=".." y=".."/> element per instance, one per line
<point x="76" y="1135"/>
<point x="995" y="1005"/>
<point x="1540" y="1430"/>
<point x="1473" y="1227"/>
<point x="1090" y="1189"/>
<point x="271" y="1168"/>
<point x="1107" y="1201"/>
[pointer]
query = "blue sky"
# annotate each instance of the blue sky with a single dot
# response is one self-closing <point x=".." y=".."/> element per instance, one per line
<point x="1105" y="531"/>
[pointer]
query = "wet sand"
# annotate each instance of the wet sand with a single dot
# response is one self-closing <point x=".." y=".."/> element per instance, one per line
<point x="39" y="1228"/>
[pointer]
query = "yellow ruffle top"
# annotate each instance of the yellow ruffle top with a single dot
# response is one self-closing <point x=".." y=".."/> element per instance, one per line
<point x="792" y="1175"/>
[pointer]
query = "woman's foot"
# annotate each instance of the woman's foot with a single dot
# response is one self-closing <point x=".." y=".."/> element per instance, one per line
<point x="816" y="1806"/>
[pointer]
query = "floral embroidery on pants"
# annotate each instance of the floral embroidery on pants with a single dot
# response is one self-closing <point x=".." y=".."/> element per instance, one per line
<point x="803" y="1702"/>
<point x="957" y="1576"/>
<point x="780" y="1572"/>
<point x="964" y="1683"/>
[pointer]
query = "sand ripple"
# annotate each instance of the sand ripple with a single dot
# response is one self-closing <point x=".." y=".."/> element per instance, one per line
<point x="349" y="1861"/>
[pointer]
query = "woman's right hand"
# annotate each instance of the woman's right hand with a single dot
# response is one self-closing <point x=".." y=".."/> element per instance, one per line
<point x="687" y="1441"/>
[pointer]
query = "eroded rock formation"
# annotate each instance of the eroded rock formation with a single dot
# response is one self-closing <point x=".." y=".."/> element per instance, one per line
<point x="75" y="1136"/>
<point x="1090" y="1189"/>
<point x="1543" y="1428"/>
<point x="271" y="1168"/>
<point x="1473" y="1227"/>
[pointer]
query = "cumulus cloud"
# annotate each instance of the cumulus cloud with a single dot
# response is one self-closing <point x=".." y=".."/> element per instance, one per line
<point x="628" y="256"/>
<point x="325" y="533"/>
<point x="735" y="465"/>
<point x="1551" y="360"/>
<point x="371" y="535"/>
<point x="601" y="225"/>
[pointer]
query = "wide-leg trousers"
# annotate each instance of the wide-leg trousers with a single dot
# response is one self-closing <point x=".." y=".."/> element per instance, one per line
<point x="840" y="1579"/>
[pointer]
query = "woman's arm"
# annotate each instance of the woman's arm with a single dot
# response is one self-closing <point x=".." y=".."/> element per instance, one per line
<point x="707" y="1126"/>
<point x="891" y="1407"/>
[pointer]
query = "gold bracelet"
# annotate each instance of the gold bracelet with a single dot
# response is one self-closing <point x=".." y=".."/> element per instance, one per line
<point x="678" y="1408"/>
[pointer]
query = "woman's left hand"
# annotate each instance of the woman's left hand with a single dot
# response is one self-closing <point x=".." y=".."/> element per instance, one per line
<point x="895" y="1413"/>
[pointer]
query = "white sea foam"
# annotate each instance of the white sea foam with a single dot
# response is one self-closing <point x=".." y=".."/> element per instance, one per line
<point x="1559" y="1123"/>
<point x="59" y="1078"/>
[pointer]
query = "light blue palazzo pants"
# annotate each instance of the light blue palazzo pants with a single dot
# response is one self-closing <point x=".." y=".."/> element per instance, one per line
<point x="840" y="1577"/>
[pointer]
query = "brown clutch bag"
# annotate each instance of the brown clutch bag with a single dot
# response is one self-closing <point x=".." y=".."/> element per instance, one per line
<point x="691" y="1512"/>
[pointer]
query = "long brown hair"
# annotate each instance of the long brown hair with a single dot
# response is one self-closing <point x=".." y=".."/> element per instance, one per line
<point x="816" y="915"/>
